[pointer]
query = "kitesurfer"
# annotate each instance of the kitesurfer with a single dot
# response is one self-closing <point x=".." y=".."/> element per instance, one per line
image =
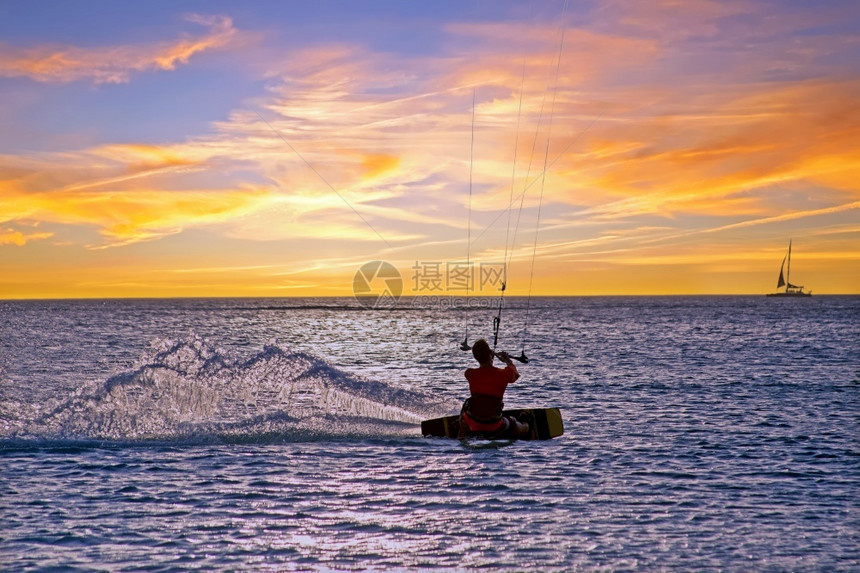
<point x="482" y="412"/>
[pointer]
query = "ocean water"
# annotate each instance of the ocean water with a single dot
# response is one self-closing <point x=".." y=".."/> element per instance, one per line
<point x="701" y="433"/>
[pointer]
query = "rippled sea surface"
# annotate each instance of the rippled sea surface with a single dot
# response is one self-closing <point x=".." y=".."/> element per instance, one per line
<point x="701" y="433"/>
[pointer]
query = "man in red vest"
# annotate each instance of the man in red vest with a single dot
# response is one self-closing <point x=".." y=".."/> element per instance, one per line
<point x="482" y="412"/>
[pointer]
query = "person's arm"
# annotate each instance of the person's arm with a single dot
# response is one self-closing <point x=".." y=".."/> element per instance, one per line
<point x="509" y="365"/>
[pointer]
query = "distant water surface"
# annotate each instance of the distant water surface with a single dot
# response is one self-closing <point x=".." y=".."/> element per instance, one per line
<point x="702" y="433"/>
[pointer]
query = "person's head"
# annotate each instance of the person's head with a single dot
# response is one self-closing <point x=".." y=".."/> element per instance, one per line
<point x="481" y="351"/>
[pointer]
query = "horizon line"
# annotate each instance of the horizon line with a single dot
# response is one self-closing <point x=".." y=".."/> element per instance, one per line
<point x="472" y="297"/>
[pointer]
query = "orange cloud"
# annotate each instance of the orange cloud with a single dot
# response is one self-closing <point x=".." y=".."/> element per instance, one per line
<point x="507" y="48"/>
<point x="112" y="64"/>
<point x="715" y="153"/>
<point x="13" y="237"/>
<point x="379" y="163"/>
<point x="133" y="215"/>
<point x="138" y="156"/>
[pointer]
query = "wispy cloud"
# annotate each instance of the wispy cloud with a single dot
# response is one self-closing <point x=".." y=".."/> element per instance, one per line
<point x="133" y="214"/>
<point x="113" y="64"/>
<point x="10" y="236"/>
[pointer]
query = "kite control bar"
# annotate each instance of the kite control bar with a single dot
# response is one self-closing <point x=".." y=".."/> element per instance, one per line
<point x="464" y="346"/>
<point x="521" y="358"/>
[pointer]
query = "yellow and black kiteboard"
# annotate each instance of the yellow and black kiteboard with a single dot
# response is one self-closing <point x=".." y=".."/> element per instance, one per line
<point x="545" y="424"/>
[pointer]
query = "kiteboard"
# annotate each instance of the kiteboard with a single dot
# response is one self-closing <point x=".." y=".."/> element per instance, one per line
<point x="544" y="423"/>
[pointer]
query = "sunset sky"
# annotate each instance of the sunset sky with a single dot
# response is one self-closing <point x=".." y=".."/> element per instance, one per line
<point x="271" y="148"/>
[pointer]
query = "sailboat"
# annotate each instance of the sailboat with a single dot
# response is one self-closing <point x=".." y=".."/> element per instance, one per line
<point x="785" y="279"/>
